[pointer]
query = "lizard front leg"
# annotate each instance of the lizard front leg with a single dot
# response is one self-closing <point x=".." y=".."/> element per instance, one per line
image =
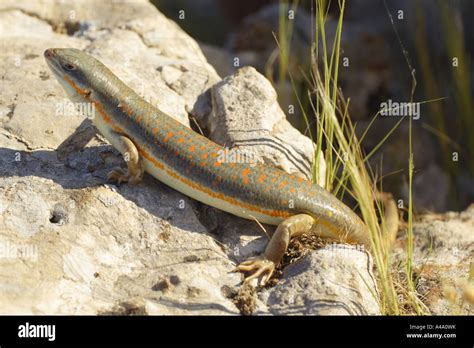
<point x="264" y="265"/>
<point x="134" y="173"/>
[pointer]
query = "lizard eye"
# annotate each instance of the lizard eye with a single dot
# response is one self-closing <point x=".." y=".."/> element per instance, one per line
<point x="68" y="66"/>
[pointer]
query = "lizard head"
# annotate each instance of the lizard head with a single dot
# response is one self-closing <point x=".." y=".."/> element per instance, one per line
<point x="73" y="69"/>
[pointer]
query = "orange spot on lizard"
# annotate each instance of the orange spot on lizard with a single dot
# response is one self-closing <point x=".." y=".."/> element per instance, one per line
<point x="262" y="178"/>
<point x="168" y="136"/>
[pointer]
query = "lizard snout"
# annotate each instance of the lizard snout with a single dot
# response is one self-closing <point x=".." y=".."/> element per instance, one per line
<point x="49" y="53"/>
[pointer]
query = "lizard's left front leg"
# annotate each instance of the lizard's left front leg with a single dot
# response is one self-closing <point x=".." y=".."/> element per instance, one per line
<point x="134" y="173"/>
<point x="264" y="265"/>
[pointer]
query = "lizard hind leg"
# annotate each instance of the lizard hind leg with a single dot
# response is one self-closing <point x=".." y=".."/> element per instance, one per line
<point x="263" y="266"/>
<point x="134" y="173"/>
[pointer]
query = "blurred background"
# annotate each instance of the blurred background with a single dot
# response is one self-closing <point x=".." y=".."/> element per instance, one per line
<point x="437" y="36"/>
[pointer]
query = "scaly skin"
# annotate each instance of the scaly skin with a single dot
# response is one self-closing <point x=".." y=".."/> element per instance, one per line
<point x="154" y="142"/>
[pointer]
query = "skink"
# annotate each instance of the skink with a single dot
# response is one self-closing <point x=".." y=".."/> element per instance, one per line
<point x="154" y="142"/>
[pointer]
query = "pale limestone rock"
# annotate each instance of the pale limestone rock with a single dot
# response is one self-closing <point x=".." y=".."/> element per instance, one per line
<point x="334" y="280"/>
<point x="443" y="258"/>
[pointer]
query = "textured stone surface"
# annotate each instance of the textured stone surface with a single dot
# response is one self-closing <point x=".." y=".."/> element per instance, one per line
<point x="334" y="280"/>
<point x="443" y="259"/>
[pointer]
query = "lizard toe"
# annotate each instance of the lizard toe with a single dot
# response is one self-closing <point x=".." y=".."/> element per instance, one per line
<point x="261" y="268"/>
<point x="117" y="175"/>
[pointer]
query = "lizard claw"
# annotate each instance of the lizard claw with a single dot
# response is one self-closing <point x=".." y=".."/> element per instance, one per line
<point x="260" y="267"/>
<point x="119" y="175"/>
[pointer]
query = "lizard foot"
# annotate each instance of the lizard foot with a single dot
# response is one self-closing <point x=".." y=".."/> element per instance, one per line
<point x="260" y="267"/>
<point x="119" y="175"/>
